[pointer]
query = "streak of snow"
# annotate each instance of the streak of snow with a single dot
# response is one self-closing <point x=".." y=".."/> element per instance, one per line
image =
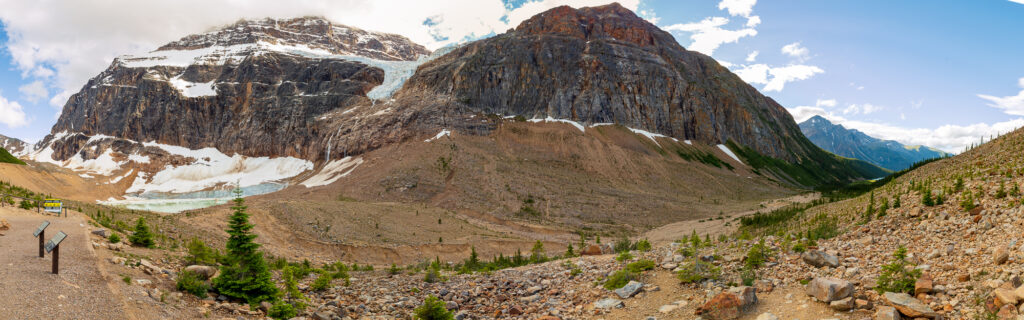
<point x="443" y="133"/>
<point x="118" y="178"/>
<point x="333" y="171"/>
<point x="725" y="149"/>
<point x="550" y="119"/>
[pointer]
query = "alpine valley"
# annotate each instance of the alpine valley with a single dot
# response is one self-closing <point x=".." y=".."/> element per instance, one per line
<point x="383" y="180"/>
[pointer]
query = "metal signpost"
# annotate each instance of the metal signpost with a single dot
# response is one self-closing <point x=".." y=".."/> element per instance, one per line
<point x="54" y="246"/>
<point x="41" y="233"/>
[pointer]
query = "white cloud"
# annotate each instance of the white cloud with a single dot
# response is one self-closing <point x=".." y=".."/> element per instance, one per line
<point x="865" y="108"/>
<point x="752" y="56"/>
<point x="708" y="34"/>
<point x="796" y="51"/>
<point x="11" y="113"/>
<point x="1018" y="1"/>
<point x="790" y="73"/>
<point x="741" y="8"/>
<point x="950" y="138"/>
<point x="34" y="91"/>
<point x="775" y="78"/>
<point x="753" y="21"/>
<point x="1013" y="105"/>
<point x="73" y="40"/>
<point x="825" y="103"/>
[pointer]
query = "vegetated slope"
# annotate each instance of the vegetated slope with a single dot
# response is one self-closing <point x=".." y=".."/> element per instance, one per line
<point x="606" y="65"/>
<point x="852" y="143"/>
<point x="6" y="157"/>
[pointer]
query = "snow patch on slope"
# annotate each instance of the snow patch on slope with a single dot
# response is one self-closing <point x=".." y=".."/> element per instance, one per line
<point x="728" y="152"/>
<point x="443" y="133"/>
<point x="193" y="89"/>
<point x="333" y="171"/>
<point x="213" y="169"/>
<point x="570" y="122"/>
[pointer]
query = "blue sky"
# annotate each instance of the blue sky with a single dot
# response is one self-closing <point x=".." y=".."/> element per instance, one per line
<point x="920" y="72"/>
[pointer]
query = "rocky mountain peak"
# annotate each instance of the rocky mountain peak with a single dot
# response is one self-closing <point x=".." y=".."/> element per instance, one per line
<point x="592" y="23"/>
<point x="316" y="33"/>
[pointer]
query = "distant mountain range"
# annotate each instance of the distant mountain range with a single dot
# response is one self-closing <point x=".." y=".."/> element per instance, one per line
<point x="852" y="143"/>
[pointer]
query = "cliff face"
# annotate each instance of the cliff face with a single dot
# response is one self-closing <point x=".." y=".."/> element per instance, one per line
<point x="605" y="64"/>
<point x="254" y="88"/>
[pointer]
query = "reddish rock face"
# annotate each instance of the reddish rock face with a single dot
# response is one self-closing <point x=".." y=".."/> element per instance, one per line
<point x="607" y="65"/>
<point x="591" y="250"/>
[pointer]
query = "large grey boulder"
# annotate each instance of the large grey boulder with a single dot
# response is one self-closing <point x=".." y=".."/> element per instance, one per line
<point x="829" y="289"/>
<point x="820" y="259"/>
<point x="629" y="290"/>
<point x="910" y="306"/>
<point x="608" y="303"/>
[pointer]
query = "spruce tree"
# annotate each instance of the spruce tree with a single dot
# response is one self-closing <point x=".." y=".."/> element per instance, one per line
<point x="142" y="237"/>
<point x="245" y="275"/>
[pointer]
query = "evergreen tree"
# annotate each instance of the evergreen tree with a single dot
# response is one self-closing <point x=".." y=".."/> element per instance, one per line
<point x="142" y="237"/>
<point x="245" y="275"/>
<point x="568" y="251"/>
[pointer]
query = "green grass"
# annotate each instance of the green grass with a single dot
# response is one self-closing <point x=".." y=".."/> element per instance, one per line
<point x="7" y="157"/>
<point x="703" y="157"/>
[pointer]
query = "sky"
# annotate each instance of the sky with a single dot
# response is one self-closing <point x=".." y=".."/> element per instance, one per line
<point x="939" y="73"/>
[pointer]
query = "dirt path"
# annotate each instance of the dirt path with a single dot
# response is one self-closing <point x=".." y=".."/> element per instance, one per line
<point x="714" y="227"/>
<point x="27" y="288"/>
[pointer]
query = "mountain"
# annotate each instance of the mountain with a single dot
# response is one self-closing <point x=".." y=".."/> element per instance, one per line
<point x="303" y="103"/>
<point x="14" y="146"/>
<point x="607" y="65"/>
<point x="855" y="144"/>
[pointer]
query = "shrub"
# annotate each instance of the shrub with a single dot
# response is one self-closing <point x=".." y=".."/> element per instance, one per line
<point x="322" y="282"/>
<point x="569" y="252"/>
<point x="698" y="271"/>
<point x="748" y="275"/>
<point x="114" y="238"/>
<point x="26" y="204"/>
<point x="433" y="309"/>
<point x="643" y="245"/>
<point x="967" y="201"/>
<point x="639" y="266"/>
<point x="394" y="269"/>
<point x="758" y="254"/>
<point x="537" y="252"/>
<point x="895" y="277"/>
<point x="193" y="283"/>
<point x="624" y="256"/>
<point x="200" y="253"/>
<point x="622" y="245"/>
<point x="432" y="275"/>
<point x="619" y="279"/>
<point x="142" y="237"/>
<point x="282" y="310"/>
<point x="926" y="198"/>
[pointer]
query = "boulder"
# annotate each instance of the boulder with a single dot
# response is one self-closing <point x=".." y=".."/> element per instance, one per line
<point x="829" y="289"/>
<point x="591" y="250"/>
<point x="629" y="290"/>
<point x="887" y="313"/>
<point x="101" y="232"/>
<point x="844" y="304"/>
<point x="207" y="272"/>
<point x="1000" y="255"/>
<point x="725" y="305"/>
<point x="668" y="308"/>
<point x="608" y="303"/>
<point x="909" y="306"/>
<point x="4" y="225"/>
<point x="1020" y="293"/>
<point x="1005" y="297"/>
<point x="820" y="259"/>
<point x="747" y="295"/>
<point x="923" y="284"/>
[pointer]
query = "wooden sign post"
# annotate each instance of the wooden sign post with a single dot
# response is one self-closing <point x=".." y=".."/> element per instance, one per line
<point x="41" y="233"/>
<point x="54" y="246"/>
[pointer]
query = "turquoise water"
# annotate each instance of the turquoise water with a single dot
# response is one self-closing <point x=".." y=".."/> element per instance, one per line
<point x="178" y="202"/>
